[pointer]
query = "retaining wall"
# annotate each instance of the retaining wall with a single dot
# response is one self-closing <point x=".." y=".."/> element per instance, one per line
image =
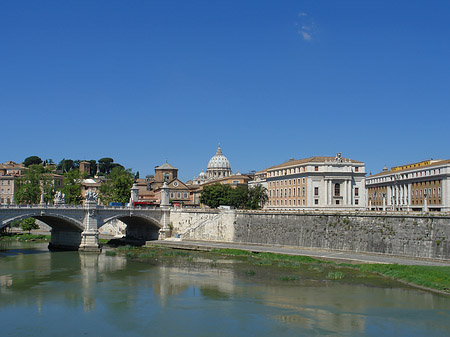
<point x="422" y="236"/>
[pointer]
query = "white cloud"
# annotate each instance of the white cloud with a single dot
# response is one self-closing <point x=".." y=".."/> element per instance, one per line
<point x="302" y="14"/>
<point x="306" y="36"/>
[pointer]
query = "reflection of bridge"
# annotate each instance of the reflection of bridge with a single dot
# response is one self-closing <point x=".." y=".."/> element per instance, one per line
<point x="76" y="227"/>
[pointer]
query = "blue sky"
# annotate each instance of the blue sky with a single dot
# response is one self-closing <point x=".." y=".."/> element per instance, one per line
<point x="146" y="81"/>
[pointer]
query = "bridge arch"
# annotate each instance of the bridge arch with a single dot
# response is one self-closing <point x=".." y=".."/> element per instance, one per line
<point x="55" y="221"/>
<point x="140" y="227"/>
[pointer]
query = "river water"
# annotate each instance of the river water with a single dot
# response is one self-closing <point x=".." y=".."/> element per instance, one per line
<point x="46" y="293"/>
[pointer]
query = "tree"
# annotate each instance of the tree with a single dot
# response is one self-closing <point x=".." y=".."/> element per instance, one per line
<point x="65" y="165"/>
<point x="72" y="187"/>
<point x="257" y="197"/>
<point x="29" y="224"/>
<point x="106" y="164"/>
<point x="33" y="160"/>
<point x="218" y="194"/>
<point x="30" y="186"/>
<point x="117" y="188"/>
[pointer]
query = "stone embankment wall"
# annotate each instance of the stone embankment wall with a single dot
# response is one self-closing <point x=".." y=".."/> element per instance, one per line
<point x="205" y="225"/>
<point x="412" y="235"/>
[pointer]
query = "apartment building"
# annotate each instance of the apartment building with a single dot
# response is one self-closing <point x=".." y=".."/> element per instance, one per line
<point x="422" y="186"/>
<point x="317" y="183"/>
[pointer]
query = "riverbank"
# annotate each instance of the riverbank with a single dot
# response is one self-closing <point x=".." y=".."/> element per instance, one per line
<point x="429" y="278"/>
<point x="25" y="237"/>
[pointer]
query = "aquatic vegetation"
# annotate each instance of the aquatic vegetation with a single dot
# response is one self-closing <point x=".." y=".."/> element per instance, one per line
<point x="335" y="275"/>
<point x="424" y="276"/>
<point x="288" y="278"/>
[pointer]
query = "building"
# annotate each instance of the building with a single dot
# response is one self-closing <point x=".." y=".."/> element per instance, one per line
<point x="9" y="172"/>
<point x="317" y="183"/>
<point x="218" y="167"/>
<point x="259" y="178"/>
<point x="150" y="188"/>
<point x="423" y="186"/>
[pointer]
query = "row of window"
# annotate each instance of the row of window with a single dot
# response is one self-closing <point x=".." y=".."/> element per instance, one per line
<point x="302" y="169"/>
<point x="6" y="182"/>
<point x="288" y="192"/>
<point x="406" y="176"/>
<point x="418" y="193"/>
<point x="7" y="190"/>
<point x="294" y="202"/>
<point x="337" y="190"/>
<point x="172" y="195"/>
<point x="287" y="182"/>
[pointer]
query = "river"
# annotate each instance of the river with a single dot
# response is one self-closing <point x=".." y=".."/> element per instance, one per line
<point x="46" y="293"/>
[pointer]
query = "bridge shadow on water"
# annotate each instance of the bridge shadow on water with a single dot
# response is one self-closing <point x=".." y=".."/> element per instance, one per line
<point x="5" y="251"/>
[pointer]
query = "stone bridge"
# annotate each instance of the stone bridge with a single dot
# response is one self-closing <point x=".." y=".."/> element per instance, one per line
<point x="77" y="227"/>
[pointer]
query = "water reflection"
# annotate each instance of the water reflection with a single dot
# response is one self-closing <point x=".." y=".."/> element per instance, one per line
<point x="124" y="297"/>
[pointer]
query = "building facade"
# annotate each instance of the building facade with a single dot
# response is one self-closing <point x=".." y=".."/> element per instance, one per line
<point x="150" y="188"/>
<point x="317" y="183"/>
<point x="423" y="186"/>
<point x="9" y="172"/>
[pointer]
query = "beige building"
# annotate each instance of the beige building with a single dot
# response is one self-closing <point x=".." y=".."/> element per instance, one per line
<point x="423" y="186"/>
<point x="150" y="188"/>
<point x="9" y="172"/>
<point x="317" y="183"/>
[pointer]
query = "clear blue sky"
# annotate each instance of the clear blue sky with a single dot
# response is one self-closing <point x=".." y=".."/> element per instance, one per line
<point x="146" y="81"/>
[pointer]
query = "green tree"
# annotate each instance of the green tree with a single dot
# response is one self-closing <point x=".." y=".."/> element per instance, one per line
<point x="66" y="165"/>
<point x="117" y="188"/>
<point x="218" y="194"/>
<point x="106" y="165"/>
<point x="29" y="224"/>
<point x="257" y="197"/>
<point x="29" y="185"/>
<point x="33" y="160"/>
<point x="72" y="187"/>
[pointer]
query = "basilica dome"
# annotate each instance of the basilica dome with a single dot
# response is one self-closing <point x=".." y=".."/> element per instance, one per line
<point x="218" y="166"/>
<point x="219" y="161"/>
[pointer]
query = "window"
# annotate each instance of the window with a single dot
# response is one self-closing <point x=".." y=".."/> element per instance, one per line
<point x="303" y="191"/>
<point x="171" y="195"/>
<point x="356" y="169"/>
<point x="356" y="191"/>
<point x="316" y="191"/>
<point x="316" y="168"/>
<point x="185" y="195"/>
<point x="304" y="202"/>
<point x="293" y="192"/>
<point x="356" y="201"/>
<point x="289" y="192"/>
<point x="316" y="201"/>
<point x="337" y="202"/>
<point x="337" y="190"/>
<point x="303" y="180"/>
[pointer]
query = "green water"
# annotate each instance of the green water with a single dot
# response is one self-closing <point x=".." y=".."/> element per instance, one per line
<point x="76" y="294"/>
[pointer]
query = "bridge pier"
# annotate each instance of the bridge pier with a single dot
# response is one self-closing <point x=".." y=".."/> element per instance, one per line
<point x="64" y="240"/>
<point x="89" y="237"/>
